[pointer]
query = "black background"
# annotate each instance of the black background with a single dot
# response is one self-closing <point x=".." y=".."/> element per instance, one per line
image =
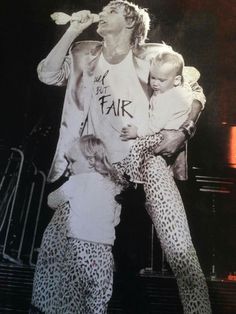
<point x="202" y="30"/>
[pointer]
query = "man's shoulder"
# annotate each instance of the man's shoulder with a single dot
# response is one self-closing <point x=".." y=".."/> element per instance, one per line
<point x="86" y="46"/>
<point x="148" y="50"/>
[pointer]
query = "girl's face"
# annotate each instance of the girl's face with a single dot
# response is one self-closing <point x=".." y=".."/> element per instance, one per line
<point x="163" y="77"/>
<point x="78" y="163"/>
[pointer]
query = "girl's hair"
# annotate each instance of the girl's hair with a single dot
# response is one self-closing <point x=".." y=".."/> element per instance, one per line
<point x="139" y="16"/>
<point x="96" y="152"/>
<point x="171" y="57"/>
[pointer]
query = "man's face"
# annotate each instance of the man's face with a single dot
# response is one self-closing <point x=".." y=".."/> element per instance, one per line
<point x="162" y="77"/>
<point x="112" y="20"/>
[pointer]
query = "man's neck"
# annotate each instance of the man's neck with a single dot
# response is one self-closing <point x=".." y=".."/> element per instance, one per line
<point x="115" y="48"/>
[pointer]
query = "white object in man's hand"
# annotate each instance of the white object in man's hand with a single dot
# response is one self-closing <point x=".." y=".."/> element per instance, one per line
<point x="78" y="21"/>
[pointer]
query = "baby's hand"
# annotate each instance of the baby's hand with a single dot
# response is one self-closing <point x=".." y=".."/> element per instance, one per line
<point x="129" y="132"/>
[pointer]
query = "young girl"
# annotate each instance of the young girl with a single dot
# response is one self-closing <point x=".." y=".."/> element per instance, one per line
<point x="74" y="272"/>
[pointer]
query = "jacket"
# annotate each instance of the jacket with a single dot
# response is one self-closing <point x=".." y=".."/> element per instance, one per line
<point x="77" y="72"/>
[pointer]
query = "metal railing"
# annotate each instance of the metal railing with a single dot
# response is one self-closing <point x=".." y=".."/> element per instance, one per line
<point x="22" y="188"/>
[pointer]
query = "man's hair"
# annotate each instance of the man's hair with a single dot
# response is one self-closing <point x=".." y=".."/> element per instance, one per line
<point x="140" y="17"/>
<point x="171" y="57"/>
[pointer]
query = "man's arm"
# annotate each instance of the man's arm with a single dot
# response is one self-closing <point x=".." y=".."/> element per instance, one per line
<point x="55" y="59"/>
<point x="174" y="139"/>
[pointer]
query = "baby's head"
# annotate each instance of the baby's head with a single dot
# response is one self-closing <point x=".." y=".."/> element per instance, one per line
<point x="166" y="71"/>
<point x="89" y="153"/>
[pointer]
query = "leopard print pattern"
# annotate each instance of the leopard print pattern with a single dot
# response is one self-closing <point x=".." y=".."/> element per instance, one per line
<point x="46" y="284"/>
<point x="89" y="279"/>
<point x="165" y="207"/>
<point x="71" y="276"/>
<point x="132" y="165"/>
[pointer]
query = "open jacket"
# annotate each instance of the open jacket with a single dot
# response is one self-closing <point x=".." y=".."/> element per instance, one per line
<point x="77" y="73"/>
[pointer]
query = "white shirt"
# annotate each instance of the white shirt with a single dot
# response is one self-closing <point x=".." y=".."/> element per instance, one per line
<point x="117" y="100"/>
<point x="168" y="110"/>
<point x="94" y="213"/>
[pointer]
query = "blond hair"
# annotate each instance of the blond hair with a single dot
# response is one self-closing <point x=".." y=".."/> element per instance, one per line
<point x="95" y="151"/>
<point x="171" y="57"/>
<point x="140" y="17"/>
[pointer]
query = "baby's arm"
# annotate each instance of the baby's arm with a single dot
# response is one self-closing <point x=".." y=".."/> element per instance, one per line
<point x="157" y="121"/>
<point x="129" y="132"/>
<point x="132" y="132"/>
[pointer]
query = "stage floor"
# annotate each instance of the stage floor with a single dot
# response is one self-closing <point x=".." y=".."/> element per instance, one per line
<point x="147" y="293"/>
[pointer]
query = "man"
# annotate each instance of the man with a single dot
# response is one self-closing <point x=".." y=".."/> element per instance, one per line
<point x="107" y="89"/>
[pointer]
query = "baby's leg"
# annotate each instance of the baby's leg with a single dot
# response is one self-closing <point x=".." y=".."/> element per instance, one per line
<point x="147" y="142"/>
<point x="165" y="207"/>
<point x="132" y="164"/>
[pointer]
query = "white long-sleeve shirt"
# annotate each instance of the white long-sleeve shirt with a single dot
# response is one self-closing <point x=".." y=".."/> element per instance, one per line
<point x="168" y="110"/>
<point x="94" y="212"/>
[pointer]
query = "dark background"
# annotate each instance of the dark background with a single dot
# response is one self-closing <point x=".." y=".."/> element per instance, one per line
<point x="202" y="30"/>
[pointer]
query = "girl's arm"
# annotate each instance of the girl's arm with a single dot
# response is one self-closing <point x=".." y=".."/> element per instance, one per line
<point x="56" y="198"/>
<point x="61" y="195"/>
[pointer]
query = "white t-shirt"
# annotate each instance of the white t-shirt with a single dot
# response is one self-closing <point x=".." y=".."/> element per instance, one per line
<point x="117" y="100"/>
<point x="94" y="213"/>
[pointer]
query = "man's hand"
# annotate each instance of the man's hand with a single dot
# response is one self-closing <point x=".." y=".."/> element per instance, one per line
<point x="129" y="132"/>
<point x="82" y="20"/>
<point x="173" y="141"/>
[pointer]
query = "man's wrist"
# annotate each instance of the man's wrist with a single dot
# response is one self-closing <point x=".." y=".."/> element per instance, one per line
<point x="185" y="132"/>
<point x="74" y="31"/>
<point x="188" y="129"/>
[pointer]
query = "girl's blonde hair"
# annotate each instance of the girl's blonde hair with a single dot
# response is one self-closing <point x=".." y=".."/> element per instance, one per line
<point x="96" y="152"/>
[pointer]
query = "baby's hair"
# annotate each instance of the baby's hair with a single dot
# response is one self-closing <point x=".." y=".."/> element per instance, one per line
<point x="171" y="57"/>
<point x="96" y="152"/>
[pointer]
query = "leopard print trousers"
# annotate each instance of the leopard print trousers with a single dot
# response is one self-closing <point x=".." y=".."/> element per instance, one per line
<point x="133" y="164"/>
<point x="165" y="207"/>
<point x="71" y="276"/>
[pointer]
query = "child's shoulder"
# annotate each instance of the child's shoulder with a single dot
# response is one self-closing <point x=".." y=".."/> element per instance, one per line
<point x="181" y="95"/>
